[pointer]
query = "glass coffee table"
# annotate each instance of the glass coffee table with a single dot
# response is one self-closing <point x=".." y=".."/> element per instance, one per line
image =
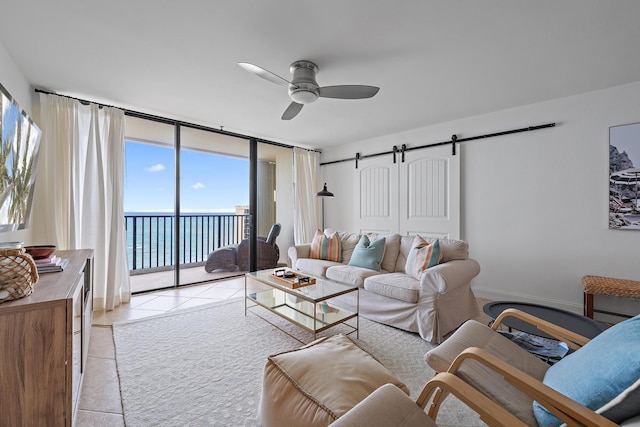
<point x="308" y="307"/>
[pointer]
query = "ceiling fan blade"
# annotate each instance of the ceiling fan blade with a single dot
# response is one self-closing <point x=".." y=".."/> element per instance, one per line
<point x="265" y="74"/>
<point x="292" y="110"/>
<point x="348" y="91"/>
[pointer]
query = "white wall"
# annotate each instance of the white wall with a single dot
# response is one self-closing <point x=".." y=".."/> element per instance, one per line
<point x="534" y="204"/>
<point x="14" y="81"/>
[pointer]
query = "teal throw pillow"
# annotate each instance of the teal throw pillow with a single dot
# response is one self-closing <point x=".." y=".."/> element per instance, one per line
<point x="604" y="374"/>
<point x="368" y="254"/>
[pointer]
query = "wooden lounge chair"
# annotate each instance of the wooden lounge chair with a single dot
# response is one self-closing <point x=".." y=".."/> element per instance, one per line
<point x="602" y="374"/>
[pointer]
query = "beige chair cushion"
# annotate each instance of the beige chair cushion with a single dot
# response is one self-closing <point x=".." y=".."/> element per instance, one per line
<point x="475" y="334"/>
<point x="316" y="384"/>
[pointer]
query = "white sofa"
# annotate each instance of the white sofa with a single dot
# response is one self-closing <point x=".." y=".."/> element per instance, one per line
<point x="433" y="306"/>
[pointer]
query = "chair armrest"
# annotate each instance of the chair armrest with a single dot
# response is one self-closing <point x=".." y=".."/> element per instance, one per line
<point x="572" y="339"/>
<point x="448" y="276"/>
<point x="566" y="409"/>
<point x="225" y="258"/>
<point x="298" y="251"/>
<point x="489" y="411"/>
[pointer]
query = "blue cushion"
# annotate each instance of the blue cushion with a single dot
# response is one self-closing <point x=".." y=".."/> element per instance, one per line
<point x="603" y="369"/>
<point x="368" y="254"/>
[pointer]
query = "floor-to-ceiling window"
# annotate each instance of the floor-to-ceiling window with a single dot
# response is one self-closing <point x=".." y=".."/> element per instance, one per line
<point x="187" y="194"/>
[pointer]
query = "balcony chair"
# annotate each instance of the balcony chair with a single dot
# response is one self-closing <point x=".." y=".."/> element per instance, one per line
<point x="236" y="257"/>
<point x="602" y="374"/>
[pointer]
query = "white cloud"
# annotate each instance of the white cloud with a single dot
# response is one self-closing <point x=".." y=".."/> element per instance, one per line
<point x="197" y="186"/>
<point x="156" y="168"/>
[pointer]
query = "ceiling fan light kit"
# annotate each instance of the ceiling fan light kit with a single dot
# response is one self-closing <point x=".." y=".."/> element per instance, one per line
<point x="304" y="89"/>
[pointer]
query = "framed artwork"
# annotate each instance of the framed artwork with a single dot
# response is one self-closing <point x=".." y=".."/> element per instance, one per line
<point x="624" y="177"/>
<point x="18" y="158"/>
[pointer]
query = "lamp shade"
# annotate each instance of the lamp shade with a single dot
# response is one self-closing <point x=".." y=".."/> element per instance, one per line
<point x="324" y="192"/>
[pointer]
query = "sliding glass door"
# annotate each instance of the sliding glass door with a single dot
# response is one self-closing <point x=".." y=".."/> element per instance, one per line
<point x="149" y="204"/>
<point x="213" y="199"/>
<point x="188" y="193"/>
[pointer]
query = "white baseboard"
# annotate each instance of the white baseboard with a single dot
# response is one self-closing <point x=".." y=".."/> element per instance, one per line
<point x="501" y="295"/>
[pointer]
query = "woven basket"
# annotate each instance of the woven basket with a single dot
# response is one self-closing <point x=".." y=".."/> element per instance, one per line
<point x="18" y="274"/>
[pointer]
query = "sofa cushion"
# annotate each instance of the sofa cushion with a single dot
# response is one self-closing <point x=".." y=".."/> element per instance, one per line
<point x="605" y="368"/>
<point x="391" y="249"/>
<point x="394" y="285"/>
<point x="453" y="249"/>
<point x="326" y="246"/>
<point x="314" y="267"/>
<point x="349" y="242"/>
<point x="349" y="274"/>
<point x="368" y="254"/>
<point x="422" y="256"/>
<point x="450" y="250"/>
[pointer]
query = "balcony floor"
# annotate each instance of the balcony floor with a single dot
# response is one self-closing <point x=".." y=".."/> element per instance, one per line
<point x="165" y="279"/>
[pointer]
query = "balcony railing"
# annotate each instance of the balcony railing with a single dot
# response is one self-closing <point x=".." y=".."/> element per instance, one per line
<point x="151" y="237"/>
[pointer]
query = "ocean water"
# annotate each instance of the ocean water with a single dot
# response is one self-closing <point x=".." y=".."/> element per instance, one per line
<point x="151" y="236"/>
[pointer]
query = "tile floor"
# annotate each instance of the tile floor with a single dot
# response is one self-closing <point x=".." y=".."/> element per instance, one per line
<point x="100" y="404"/>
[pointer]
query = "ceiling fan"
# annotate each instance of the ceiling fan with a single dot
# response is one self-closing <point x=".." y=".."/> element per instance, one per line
<point x="303" y="88"/>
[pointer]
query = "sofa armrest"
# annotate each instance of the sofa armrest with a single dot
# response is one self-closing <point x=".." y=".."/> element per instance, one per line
<point x="448" y="276"/>
<point x="298" y="251"/>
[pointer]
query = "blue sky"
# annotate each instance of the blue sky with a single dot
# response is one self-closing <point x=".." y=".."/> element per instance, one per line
<point x="209" y="183"/>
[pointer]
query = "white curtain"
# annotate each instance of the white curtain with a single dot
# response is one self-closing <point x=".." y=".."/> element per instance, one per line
<point x="79" y="189"/>
<point x="307" y="216"/>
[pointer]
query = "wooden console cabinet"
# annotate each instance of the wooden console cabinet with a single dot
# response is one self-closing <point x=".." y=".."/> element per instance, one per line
<point x="44" y="340"/>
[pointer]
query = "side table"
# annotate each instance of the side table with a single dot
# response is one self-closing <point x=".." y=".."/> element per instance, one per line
<point x="582" y="325"/>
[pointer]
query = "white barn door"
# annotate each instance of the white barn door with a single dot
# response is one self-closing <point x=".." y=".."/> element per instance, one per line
<point x="377" y="206"/>
<point x="418" y="196"/>
<point x="430" y="193"/>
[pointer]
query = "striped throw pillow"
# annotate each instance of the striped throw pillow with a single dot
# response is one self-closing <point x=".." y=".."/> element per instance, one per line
<point x="422" y="255"/>
<point x="326" y="247"/>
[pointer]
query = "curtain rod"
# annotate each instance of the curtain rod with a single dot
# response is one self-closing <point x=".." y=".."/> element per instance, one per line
<point x="160" y="119"/>
<point x="454" y="139"/>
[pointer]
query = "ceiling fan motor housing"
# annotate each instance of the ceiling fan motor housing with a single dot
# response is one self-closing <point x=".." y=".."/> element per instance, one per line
<point x="304" y="88"/>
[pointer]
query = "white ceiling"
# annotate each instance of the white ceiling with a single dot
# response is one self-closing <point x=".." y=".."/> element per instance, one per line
<point x="434" y="61"/>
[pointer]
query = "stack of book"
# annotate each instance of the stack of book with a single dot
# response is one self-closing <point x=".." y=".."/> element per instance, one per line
<point x="51" y="264"/>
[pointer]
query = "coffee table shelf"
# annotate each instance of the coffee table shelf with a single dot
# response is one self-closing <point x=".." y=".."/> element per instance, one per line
<point x="308" y="307"/>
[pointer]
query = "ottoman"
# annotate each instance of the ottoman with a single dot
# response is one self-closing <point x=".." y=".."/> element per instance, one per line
<point x="317" y="383"/>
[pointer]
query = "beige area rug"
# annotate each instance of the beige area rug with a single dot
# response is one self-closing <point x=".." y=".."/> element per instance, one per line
<point x="203" y="366"/>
